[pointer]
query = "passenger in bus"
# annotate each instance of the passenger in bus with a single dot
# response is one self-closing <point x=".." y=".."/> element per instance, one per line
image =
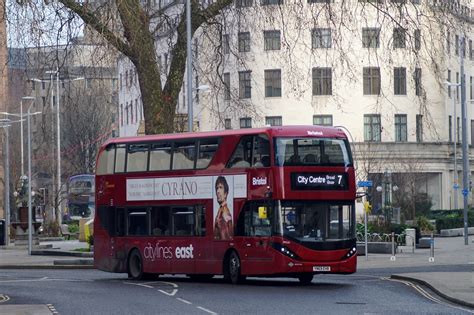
<point x="223" y="225"/>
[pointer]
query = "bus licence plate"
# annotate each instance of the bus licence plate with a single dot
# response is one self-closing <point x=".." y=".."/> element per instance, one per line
<point x="322" y="268"/>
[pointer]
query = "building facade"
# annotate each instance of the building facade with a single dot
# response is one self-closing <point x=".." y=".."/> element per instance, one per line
<point x="378" y="68"/>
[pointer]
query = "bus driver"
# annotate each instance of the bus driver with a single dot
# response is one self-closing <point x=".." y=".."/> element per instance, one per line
<point x="223" y="226"/>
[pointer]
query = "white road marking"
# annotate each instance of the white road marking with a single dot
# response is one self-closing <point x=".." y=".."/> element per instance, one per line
<point x="206" y="310"/>
<point x="140" y="285"/>
<point x="4" y="298"/>
<point x="184" y="301"/>
<point x="172" y="293"/>
<point x="24" y="280"/>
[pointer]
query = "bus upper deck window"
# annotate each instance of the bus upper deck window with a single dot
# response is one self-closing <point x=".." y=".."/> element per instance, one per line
<point x="106" y="161"/>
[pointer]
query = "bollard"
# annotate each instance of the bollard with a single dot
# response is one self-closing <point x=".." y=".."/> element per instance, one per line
<point x="431" y="259"/>
<point x="393" y="247"/>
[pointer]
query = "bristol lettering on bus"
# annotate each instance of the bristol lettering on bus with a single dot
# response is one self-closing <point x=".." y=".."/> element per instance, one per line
<point x="274" y="201"/>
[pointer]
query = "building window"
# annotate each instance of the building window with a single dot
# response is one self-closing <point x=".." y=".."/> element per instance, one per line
<point x="246" y="122"/>
<point x="320" y="1"/>
<point x="273" y="121"/>
<point x="470" y="88"/>
<point x="272" y="40"/>
<point x="322" y="120"/>
<point x="243" y="3"/>
<point x="225" y="44"/>
<point x="270" y="2"/>
<point x="417" y="37"/>
<point x="418" y="81"/>
<point x="321" y="38"/>
<point x="470" y="50"/>
<point x="228" y="123"/>
<point x="43" y="85"/>
<point x="449" y="80"/>
<point x="226" y="86"/>
<point x="322" y="81"/>
<point x="456" y="45"/>
<point x="400" y="81"/>
<point x="371" y="81"/>
<point x="273" y="83"/>
<point x="401" y="127"/>
<point x="419" y="128"/>
<point x="371" y="37"/>
<point x="244" y="42"/>
<point x="399" y="37"/>
<point x="245" y="87"/>
<point x="372" y="127"/>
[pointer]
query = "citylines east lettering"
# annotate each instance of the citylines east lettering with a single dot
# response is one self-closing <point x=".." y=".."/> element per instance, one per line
<point x="156" y="252"/>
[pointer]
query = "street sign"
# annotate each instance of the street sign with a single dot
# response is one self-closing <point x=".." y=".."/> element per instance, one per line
<point x="465" y="192"/>
<point x="367" y="183"/>
<point x="455" y="186"/>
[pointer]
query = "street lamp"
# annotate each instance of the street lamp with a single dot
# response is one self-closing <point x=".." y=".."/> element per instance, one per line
<point x="5" y="124"/>
<point x="455" y="140"/>
<point x="58" y="130"/>
<point x="30" y="219"/>
<point x="21" y="127"/>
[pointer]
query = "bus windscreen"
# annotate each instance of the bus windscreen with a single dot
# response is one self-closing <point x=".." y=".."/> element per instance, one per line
<point x="312" y="152"/>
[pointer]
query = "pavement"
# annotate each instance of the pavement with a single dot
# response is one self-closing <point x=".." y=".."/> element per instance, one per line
<point x="454" y="283"/>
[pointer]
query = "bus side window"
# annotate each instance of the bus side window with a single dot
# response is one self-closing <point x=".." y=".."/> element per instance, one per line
<point x="160" y="221"/>
<point x="243" y="154"/>
<point x="138" y="221"/>
<point x="160" y="157"/>
<point x="261" y="151"/>
<point x="137" y="157"/>
<point x="120" y="158"/>
<point x="184" y="155"/>
<point x="206" y="150"/>
<point x="106" y="160"/>
<point x="183" y="221"/>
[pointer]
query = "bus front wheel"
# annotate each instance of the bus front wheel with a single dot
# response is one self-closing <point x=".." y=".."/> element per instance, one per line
<point x="232" y="269"/>
<point x="305" y="278"/>
<point x="135" y="265"/>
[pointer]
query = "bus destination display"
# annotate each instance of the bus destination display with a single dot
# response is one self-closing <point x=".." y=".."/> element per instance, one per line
<point x="319" y="181"/>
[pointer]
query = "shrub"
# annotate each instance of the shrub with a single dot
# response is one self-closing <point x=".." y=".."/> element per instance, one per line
<point x="424" y="224"/>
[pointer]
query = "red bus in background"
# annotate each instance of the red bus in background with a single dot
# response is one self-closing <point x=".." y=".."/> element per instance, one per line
<point x="276" y="201"/>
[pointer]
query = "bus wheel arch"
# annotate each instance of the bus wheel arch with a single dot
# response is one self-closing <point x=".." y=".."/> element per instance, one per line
<point x="232" y="267"/>
<point x="135" y="265"/>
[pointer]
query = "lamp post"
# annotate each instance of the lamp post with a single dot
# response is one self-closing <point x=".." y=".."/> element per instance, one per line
<point x="465" y="162"/>
<point x="5" y="124"/>
<point x="21" y="130"/>
<point x="30" y="219"/>
<point x="58" y="131"/>
<point x="455" y="140"/>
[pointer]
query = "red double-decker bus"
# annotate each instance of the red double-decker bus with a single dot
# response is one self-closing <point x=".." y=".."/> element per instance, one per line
<point x="276" y="201"/>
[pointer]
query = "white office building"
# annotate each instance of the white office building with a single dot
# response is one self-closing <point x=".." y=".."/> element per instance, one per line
<point x="380" y="68"/>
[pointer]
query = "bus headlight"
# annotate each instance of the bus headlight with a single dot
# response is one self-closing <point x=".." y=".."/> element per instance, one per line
<point x="350" y="253"/>
<point x="284" y="250"/>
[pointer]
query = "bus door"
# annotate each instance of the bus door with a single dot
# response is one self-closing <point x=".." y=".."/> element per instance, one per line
<point x="255" y="228"/>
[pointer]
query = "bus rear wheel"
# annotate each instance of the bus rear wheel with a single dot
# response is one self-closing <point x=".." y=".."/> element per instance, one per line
<point x="232" y="269"/>
<point x="305" y="278"/>
<point x="135" y="265"/>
